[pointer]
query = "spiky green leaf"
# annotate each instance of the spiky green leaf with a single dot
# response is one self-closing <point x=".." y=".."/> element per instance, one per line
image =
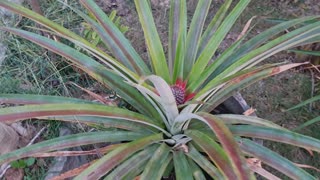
<point x="273" y="159"/>
<point x="115" y="157"/>
<point x="157" y="56"/>
<point x="70" y="141"/>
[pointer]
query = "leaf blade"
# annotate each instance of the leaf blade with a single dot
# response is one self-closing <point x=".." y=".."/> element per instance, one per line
<point x="214" y="151"/>
<point x="158" y="163"/>
<point x="39" y="99"/>
<point x="278" y="135"/>
<point x="274" y="160"/>
<point x="181" y="166"/>
<point x="112" y="159"/>
<point x="194" y="34"/>
<point x="153" y="42"/>
<point x="114" y="38"/>
<point x="229" y="144"/>
<point x="93" y="68"/>
<point x="69" y="141"/>
<point x="216" y="39"/>
<point x="126" y="167"/>
<point x="203" y="162"/>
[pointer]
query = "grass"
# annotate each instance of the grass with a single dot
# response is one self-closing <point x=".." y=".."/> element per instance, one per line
<point x="31" y="69"/>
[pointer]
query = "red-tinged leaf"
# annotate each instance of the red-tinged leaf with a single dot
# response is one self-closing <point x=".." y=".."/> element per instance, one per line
<point x="73" y="172"/>
<point x="70" y="141"/>
<point x="115" y="157"/>
<point x="107" y="122"/>
<point x="158" y="163"/>
<point x="12" y="114"/>
<point x="103" y="150"/>
<point x="114" y="38"/>
<point x="94" y="95"/>
<point x="277" y="135"/>
<point x="203" y="162"/>
<point x="264" y="36"/>
<point x="93" y="68"/>
<point x="132" y="164"/>
<point x="237" y="82"/>
<point x="86" y="113"/>
<point x="226" y="138"/>
<point x="214" y="151"/>
<point x="244" y="119"/>
<point x="65" y="33"/>
<point x="273" y="159"/>
<point x="38" y="99"/>
<point x="255" y="166"/>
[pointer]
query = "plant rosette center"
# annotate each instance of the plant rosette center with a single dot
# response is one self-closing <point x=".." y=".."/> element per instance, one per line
<point x="178" y="142"/>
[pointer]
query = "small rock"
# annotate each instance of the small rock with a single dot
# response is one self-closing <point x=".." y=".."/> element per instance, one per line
<point x="64" y="164"/>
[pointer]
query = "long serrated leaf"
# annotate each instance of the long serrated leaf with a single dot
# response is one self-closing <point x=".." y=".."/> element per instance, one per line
<point x="241" y="82"/>
<point x="203" y="162"/>
<point x="196" y="170"/>
<point x="215" y="152"/>
<point x="216" y="39"/>
<point x="167" y="99"/>
<point x="12" y="114"/>
<point x="39" y="99"/>
<point x="286" y="41"/>
<point x="230" y="146"/>
<point x="216" y="84"/>
<point x="273" y="159"/>
<point x="213" y="25"/>
<point x="229" y="52"/>
<point x="93" y="68"/>
<point x="65" y="33"/>
<point x="312" y="53"/>
<point x="277" y="135"/>
<point x="308" y="101"/>
<point x="70" y="141"/>
<point x="250" y="120"/>
<point x="177" y="38"/>
<point x="114" y="39"/>
<point x="260" y="39"/>
<point x="181" y="166"/>
<point x="308" y="123"/>
<point x="108" y="122"/>
<point x="129" y="165"/>
<point x="157" y="56"/>
<point x="157" y="164"/>
<point x="115" y="157"/>
<point x="154" y="99"/>
<point x="194" y="34"/>
<point x="196" y="84"/>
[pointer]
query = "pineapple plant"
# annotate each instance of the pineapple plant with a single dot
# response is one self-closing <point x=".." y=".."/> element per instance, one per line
<point x="170" y="131"/>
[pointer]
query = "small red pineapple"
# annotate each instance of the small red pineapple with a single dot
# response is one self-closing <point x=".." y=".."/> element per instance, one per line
<point x="179" y="92"/>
